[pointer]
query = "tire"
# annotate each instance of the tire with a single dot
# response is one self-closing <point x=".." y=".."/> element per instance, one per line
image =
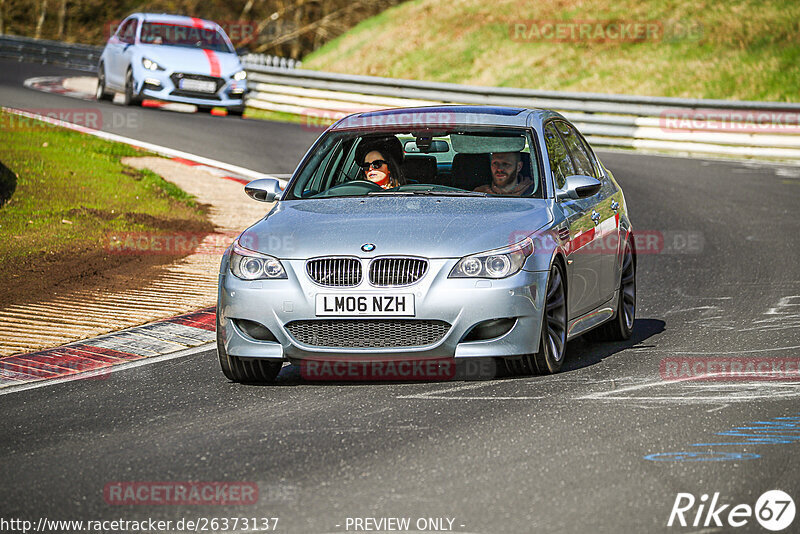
<point x="236" y="111"/>
<point x="552" y="346"/>
<point x="204" y="109"/>
<point x="130" y="99"/>
<point x="241" y="370"/>
<point x="101" y="94"/>
<point x="620" y="328"/>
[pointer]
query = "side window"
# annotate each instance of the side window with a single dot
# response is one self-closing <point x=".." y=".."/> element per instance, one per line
<point x="560" y="163"/>
<point x="581" y="160"/>
<point x="127" y="34"/>
<point x="598" y="170"/>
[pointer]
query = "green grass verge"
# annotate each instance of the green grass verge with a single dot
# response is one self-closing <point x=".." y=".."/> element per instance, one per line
<point x="740" y="49"/>
<point x="72" y="191"/>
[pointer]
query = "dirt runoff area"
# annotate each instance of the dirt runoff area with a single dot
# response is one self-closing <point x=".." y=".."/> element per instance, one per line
<point x="138" y="279"/>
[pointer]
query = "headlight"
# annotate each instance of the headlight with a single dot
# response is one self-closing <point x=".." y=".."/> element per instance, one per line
<point x="150" y="64"/>
<point x="498" y="263"/>
<point x="250" y="265"/>
<point x="239" y="76"/>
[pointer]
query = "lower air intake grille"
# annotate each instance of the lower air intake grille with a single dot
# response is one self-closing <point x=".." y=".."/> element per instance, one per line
<point x="368" y="333"/>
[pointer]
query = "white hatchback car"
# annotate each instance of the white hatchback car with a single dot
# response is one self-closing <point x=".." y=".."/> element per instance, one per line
<point x="172" y="58"/>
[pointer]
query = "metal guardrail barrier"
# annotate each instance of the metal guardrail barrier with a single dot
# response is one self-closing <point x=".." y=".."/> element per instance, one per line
<point x="266" y="60"/>
<point x="725" y="127"/>
<point x="85" y="57"/>
<point x="76" y="56"/>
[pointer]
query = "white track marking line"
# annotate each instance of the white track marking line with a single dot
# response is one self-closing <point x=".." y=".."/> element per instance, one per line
<point x="718" y="352"/>
<point x="437" y="395"/>
<point x="108" y="370"/>
<point x="158" y="149"/>
<point x="461" y="387"/>
<point x="615" y="394"/>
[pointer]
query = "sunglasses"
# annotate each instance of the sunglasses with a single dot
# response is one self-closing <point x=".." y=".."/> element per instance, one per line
<point x="377" y="164"/>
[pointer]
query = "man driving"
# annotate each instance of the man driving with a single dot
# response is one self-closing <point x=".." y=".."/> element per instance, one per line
<point x="507" y="177"/>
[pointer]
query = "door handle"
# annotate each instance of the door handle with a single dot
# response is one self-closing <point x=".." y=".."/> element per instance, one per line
<point x="595" y="217"/>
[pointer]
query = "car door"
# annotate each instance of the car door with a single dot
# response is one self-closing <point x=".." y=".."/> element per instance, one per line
<point x="582" y="293"/>
<point x="128" y="39"/>
<point x="114" y="51"/>
<point x="592" y="240"/>
<point x="608" y="206"/>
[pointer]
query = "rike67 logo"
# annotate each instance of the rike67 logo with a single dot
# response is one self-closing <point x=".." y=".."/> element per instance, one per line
<point x="774" y="510"/>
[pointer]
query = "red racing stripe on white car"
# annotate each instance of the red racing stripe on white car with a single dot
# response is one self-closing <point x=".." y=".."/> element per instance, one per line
<point x="213" y="62"/>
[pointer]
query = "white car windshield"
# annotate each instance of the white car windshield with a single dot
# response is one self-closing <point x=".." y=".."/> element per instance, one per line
<point x="161" y="33"/>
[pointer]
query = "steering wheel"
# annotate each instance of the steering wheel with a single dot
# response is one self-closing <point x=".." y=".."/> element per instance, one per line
<point x="355" y="187"/>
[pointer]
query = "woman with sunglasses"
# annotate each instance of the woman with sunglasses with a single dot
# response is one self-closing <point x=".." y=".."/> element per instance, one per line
<point x="380" y="160"/>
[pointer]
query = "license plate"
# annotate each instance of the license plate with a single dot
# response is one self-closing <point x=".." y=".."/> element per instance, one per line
<point x="200" y="86"/>
<point x="366" y="304"/>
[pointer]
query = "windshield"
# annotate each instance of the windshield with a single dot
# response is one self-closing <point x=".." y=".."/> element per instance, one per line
<point x="160" y="33"/>
<point x="477" y="162"/>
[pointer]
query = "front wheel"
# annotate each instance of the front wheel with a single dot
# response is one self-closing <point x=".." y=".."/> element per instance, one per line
<point x="131" y="98"/>
<point x="552" y="346"/>
<point x="236" y="111"/>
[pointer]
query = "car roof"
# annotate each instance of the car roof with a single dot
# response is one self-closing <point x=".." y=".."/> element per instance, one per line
<point x="175" y="19"/>
<point x="444" y="116"/>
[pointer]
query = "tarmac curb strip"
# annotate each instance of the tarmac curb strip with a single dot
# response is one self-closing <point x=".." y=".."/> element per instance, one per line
<point x="100" y="353"/>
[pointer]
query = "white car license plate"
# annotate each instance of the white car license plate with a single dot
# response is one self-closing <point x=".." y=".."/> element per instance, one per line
<point x="365" y="304"/>
<point x="200" y="86"/>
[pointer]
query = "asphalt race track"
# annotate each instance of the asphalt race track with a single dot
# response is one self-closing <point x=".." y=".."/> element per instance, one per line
<point x="604" y="446"/>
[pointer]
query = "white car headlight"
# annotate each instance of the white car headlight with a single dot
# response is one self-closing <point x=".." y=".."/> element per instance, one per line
<point x="250" y="265"/>
<point x="149" y="64"/>
<point x="239" y="76"/>
<point x="498" y="263"/>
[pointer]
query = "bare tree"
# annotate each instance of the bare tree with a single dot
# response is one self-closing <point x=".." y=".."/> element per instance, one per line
<point x="62" y="17"/>
<point x="40" y="22"/>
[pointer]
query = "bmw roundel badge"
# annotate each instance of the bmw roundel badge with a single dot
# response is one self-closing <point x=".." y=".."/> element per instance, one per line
<point x="367" y="247"/>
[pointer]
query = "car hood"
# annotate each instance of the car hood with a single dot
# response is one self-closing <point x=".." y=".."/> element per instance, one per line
<point x="191" y="60"/>
<point x="433" y="227"/>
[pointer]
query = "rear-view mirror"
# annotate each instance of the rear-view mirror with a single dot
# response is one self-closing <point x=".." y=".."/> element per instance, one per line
<point x="432" y="146"/>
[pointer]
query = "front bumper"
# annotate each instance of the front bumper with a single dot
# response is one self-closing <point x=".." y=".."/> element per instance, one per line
<point x="160" y="85"/>
<point x="462" y="303"/>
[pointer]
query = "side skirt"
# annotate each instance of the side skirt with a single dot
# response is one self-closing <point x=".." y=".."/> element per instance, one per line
<point x="603" y="313"/>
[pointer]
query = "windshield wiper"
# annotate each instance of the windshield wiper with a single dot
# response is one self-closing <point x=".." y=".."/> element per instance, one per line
<point x="429" y="193"/>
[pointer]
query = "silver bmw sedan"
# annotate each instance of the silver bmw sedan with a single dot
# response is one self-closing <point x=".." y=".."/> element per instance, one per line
<point x="430" y="234"/>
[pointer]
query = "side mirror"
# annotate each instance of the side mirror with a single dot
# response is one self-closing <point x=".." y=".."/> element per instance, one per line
<point x="578" y="186"/>
<point x="263" y="189"/>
